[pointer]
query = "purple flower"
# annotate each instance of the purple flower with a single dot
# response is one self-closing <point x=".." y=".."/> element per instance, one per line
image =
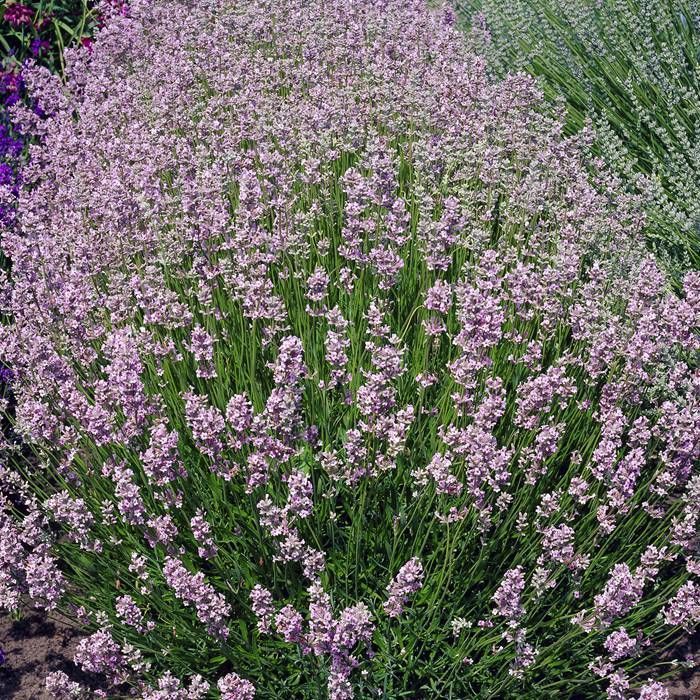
<point x="18" y="14"/>
<point x="129" y="612"/>
<point x="202" y="347"/>
<point x="619" y="644"/>
<point x="507" y="596"/>
<point x="7" y="177"/>
<point x="233" y="687"/>
<point x="263" y="607"/>
<point x="317" y="284"/>
<point x="288" y="623"/>
<point x="408" y="580"/>
<point x="653" y="690"/>
<point x="38" y="46"/>
<point x="622" y="592"/>
<point x="212" y="608"/>
<point x="300" y="501"/>
<point x="60" y="687"/>
<point x="206" y="548"/>
<point x="684" y="608"/>
<point x="99" y="653"/>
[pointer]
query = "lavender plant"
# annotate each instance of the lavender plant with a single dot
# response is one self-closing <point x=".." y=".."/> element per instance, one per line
<point x="35" y="32"/>
<point x="630" y="66"/>
<point x="344" y="376"/>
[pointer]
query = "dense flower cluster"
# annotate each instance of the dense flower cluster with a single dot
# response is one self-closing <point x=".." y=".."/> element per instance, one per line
<point x="340" y="368"/>
<point x="34" y="33"/>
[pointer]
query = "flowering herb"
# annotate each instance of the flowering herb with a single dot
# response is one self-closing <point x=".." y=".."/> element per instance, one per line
<point x="343" y="373"/>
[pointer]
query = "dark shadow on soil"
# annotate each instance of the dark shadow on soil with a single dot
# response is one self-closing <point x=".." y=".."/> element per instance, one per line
<point x="34" y="647"/>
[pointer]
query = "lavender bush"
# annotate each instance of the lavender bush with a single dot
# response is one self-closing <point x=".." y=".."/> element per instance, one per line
<point x="344" y="376"/>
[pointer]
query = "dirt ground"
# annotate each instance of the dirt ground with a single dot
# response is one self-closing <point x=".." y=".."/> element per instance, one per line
<point x="686" y="690"/>
<point x="35" y="646"/>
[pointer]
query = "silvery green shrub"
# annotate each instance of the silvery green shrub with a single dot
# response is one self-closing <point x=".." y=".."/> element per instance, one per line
<point x="631" y="68"/>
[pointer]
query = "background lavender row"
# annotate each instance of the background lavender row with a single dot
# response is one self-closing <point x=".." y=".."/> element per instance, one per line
<point x="37" y="31"/>
<point x="631" y="68"/>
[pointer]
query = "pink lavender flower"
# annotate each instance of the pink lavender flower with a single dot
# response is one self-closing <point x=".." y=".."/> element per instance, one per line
<point x="300" y="501"/>
<point x="439" y="471"/>
<point x="131" y="614"/>
<point x="407" y="581"/>
<point x="618" y="686"/>
<point x="161" y="530"/>
<point x="161" y="460"/>
<point x="508" y="595"/>
<point x="202" y="348"/>
<point x="45" y="580"/>
<point x="317" y="284"/>
<point x="212" y="608"/>
<point x="321" y="623"/>
<point x="206" y="423"/>
<point x="124" y="384"/>
<point x="129" y="500"/>
<point x="355" y="622"/>
<point x="60" y="687"/>
<point x="206" y="548"/>
<point x="289" y="366"/>
<point x="337" y="345"/>
<point x="288" y="623"/>
<point x="233" y="687"/>
<point x="619" y="644"/>
<point x="558" y="544"/>
<point x="263" y="607"/>
<point x="439" y="297"/>
<point x="171" y="688"/>
<point x="684" y="608"/>
<point x="138" y="567"/>
<point x="622" y="592"/>
<point x="653" y="690"/>
<point x="99" y="653"/>
<point x="74" y="513"/>
<point x="239" y="416"/>
<point x="181" y="236"/>
<point x="579" y="490"/>
<point x="536" y="396"/>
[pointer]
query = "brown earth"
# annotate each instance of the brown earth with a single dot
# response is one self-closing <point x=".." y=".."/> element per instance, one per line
<point x="687" y="687"/>
<point x="686" y="690"/>
<point x="34" y="646"/>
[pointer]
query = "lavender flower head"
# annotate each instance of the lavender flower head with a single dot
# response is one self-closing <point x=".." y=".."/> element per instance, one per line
<point x="407" y="581"/>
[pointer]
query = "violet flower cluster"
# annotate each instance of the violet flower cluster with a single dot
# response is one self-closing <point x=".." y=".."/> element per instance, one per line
<point x="327" y="346"/>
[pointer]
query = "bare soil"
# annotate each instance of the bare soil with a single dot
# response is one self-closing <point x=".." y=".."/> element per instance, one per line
<point x="35" y="646"/>
<point x="686" y="690"/>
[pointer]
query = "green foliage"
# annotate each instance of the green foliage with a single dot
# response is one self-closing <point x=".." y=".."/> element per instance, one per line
<point x="59" y="23"/>
<point x="631" y="67"/>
